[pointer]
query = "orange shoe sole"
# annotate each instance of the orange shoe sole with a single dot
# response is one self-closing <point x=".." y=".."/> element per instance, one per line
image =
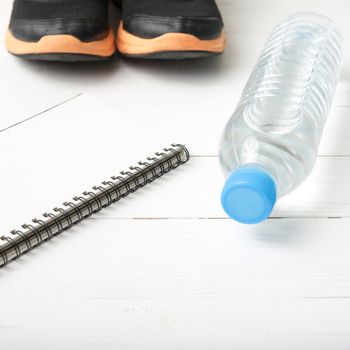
<point x="170" y="45"/>
<point x="57" y="47"/>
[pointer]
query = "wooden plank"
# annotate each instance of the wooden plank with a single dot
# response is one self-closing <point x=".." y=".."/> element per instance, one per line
<point x="170" y="284"/>
<point x="261" y="15"/>
<point x="167" y="324"/>
<point x="194" y="192"/>
<point x="282" y="259"/>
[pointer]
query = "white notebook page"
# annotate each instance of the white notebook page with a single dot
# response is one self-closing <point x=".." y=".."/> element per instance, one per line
<point x="51" y="158"/>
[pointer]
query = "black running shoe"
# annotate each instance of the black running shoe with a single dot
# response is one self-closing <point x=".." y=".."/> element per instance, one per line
<point x="170" y="29"/>
<point x="60" y="30"/>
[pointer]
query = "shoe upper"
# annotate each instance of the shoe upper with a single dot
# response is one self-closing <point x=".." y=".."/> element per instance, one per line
<point x="86" y="20"/>
<point x="152" y="18"/>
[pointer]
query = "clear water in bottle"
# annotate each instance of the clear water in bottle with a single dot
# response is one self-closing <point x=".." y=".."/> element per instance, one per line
<point x="270" y="144"/>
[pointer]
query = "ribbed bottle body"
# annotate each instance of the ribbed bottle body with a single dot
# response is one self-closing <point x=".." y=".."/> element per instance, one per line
<point x="284" y="106"/>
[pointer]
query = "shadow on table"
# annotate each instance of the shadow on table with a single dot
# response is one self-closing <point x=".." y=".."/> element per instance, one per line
<point x="281" y="231"/>
<point x="97" y="72"/>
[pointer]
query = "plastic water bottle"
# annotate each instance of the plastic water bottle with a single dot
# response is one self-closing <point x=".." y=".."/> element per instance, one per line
<point x="270" y="144"/>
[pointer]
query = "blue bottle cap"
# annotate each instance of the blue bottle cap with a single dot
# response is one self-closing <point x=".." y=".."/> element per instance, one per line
<point x="249" y="195"/>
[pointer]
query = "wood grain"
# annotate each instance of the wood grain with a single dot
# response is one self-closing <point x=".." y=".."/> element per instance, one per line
<point x="195" y="284"/>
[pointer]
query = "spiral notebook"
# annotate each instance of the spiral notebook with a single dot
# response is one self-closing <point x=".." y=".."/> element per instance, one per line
<point x="69" y="163"/>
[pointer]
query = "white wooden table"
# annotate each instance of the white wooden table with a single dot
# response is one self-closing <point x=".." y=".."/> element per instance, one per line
<point x="172" y="272"/>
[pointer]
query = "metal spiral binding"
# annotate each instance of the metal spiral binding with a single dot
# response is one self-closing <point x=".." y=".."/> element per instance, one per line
<point x="19" y="242"/>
